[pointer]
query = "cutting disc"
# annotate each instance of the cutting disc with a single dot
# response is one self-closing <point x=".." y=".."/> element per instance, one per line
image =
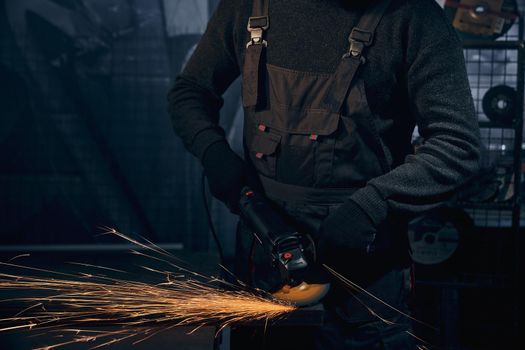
<point x="481" y="19"/>
<point x="304" y="294"/>
<point x="433" y="244"/>
<point x="437" y="236"/>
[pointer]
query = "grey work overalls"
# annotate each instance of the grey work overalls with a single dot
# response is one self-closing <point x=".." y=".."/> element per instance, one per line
<point x="312" y="140"/>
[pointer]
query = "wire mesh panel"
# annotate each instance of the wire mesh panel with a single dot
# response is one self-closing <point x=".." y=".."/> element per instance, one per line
<point x="494" y="73"/>
<point x="485" y="263"/>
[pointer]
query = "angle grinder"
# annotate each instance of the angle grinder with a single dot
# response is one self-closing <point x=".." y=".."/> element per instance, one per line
<point x="292" y="253"/>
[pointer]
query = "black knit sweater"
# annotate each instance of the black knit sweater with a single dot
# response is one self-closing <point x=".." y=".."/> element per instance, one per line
<point x="415" y="75"/>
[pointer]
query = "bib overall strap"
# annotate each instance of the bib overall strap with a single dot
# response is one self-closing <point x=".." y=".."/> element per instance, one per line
<point x="361" y="37"/>
<point x="258" y="23"/>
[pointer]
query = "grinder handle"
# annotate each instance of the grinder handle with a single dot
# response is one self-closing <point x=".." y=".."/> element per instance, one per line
<point x="262" y="218"/>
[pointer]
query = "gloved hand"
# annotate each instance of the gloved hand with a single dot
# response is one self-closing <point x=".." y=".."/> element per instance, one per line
<point x="347" y="230"/>
<point x="226" y="173"/>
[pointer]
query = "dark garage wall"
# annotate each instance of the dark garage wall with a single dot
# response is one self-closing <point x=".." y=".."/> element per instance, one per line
<point x="86" y="141"/>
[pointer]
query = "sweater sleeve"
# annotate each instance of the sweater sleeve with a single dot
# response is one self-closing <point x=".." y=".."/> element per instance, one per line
<point x="440" y="100"/>
<point x="195" y="99"/>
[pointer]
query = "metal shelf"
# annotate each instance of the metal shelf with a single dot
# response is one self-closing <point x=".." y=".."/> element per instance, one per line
<point x="466" y="280"/>
<point x="507" y="205"/>
<point x="502" y="45"/>
<point x="495" y="125"/>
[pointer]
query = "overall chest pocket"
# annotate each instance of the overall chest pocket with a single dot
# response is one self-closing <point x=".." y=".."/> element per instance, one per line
<point x="263" y="148"/>
<point x="293" y="146"/>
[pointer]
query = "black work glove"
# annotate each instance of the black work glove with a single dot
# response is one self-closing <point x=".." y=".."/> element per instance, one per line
<point x="348" y="230"/>
<point x="226" y="174"/>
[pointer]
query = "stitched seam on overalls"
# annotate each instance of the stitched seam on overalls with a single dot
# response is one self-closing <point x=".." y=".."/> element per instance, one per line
<point x="293" y="71"/>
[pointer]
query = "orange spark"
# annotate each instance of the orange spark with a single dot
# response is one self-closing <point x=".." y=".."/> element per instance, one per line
<point x="73" y="302"/>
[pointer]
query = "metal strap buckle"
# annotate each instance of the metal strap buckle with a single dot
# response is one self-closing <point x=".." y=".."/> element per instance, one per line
<point x="256" y="26"/>
<point x="358" y="39"/>
<point x="355" y="51"/>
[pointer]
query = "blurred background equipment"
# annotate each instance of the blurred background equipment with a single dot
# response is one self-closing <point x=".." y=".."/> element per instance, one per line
<point x="482" y="19"/>
<point x="499" y="104"/>
<point x="438" y="236"/>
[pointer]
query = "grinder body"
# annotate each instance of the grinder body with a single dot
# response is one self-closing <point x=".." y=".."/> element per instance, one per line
<point x="292" y="253"/>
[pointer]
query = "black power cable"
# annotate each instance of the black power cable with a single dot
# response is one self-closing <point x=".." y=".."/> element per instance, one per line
<point x="210" y="221"/>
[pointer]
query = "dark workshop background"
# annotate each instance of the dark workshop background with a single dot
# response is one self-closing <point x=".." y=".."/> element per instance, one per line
<point x="86" y="142"/>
